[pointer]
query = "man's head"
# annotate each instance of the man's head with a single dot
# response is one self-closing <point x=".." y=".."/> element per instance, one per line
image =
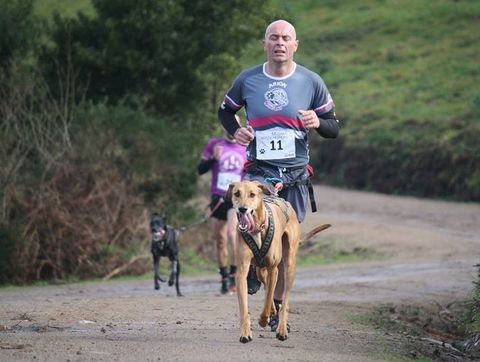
<point x="280" y="42"/>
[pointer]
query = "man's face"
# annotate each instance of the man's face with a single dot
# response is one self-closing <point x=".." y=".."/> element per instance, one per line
<point x="280" y="42"/>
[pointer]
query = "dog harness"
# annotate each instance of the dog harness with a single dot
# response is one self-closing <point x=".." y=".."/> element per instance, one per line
<point x="259" y="253"/>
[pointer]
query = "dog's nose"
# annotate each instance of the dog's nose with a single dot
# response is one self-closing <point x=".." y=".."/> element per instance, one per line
<point x="242" y="210"/>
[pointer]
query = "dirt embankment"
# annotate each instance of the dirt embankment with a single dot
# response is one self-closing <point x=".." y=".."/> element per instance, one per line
<point x="428" y="251"/>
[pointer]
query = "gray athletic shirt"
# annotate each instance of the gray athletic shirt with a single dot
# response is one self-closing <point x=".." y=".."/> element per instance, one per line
<point x="272" y="105"/>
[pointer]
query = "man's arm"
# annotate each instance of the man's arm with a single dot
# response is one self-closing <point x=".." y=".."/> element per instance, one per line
<point x="243" y="135"/>
<point x="329" y="126"/>
<point x="226" y="115"/>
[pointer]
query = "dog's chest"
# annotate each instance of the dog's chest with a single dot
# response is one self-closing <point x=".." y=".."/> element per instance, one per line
<point x="166" y="246"/>
<point x="161" y="247"/>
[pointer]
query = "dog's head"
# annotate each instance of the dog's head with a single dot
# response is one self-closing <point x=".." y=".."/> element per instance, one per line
<point x="247" y="200"/>
<point x="158" y="226"/>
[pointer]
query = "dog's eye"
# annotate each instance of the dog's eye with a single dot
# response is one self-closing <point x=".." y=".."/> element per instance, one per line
<point x="237" y="194"/>
<point x="252" y="195"/>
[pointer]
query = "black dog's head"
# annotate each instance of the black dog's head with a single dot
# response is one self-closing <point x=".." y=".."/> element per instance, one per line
<point x="158" y="226"/>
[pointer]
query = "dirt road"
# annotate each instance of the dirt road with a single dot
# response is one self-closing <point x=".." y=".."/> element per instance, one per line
<point x="428" y="251"/>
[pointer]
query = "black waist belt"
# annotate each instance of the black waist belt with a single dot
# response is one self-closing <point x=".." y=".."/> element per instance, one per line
<point x="311" y="195"/>
<point x="257" y="169"/>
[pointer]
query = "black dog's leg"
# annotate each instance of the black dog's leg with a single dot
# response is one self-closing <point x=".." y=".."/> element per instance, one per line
<point x="177" y="284"/>
<point x="156" y="270"/>
<point x="173" y="271"/>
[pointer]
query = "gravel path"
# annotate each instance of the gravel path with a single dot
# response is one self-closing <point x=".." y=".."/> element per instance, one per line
<point x="428" y="251"/>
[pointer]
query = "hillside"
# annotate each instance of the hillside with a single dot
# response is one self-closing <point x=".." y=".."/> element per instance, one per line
<point x="404" y="76"/>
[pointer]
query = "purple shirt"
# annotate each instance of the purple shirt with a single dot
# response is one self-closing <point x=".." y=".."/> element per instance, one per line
<point x="229" y="168"/>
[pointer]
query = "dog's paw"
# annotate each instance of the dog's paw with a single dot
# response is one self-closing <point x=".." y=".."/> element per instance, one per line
<point x="170" y="282"/>
<point x="282" y="332"/>
<point x="245" y="339"/>
<point x="263" y="321"/>
<point x="157" y="286"/>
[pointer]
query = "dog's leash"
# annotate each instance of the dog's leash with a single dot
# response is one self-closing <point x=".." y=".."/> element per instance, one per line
<point x="278" y="185"/>
<point x="202" y="221"/>
<point x="276" y="182"/>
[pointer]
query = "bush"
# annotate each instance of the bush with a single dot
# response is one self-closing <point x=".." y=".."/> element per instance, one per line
<point x="82" y="221"/>
<point x="424" y="165"/>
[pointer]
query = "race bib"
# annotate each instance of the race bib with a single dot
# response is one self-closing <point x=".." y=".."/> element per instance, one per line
<point x="275" y="144"/>
<point x="225" y="179"/>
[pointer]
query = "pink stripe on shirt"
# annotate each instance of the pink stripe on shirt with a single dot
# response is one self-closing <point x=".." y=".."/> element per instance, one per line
<point x="231" y="103"/>
<point x="276" y="121"/>
<point x="322" y="109"/>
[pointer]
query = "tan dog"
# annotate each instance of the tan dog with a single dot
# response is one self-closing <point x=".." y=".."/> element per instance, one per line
<point x="256" y="212"/>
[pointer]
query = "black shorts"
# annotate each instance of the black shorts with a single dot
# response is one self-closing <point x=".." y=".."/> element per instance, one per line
<point x="219" y="207"/>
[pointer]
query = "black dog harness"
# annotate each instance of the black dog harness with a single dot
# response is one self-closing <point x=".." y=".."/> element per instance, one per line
<point x="259" y="253"/>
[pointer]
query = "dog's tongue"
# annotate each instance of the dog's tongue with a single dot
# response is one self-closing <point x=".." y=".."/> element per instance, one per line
<point x="246" y="222"/>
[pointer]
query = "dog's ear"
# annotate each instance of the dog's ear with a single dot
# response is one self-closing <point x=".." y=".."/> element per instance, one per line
<point x="263" y="187"/>
<point x="164" y="219"/>
<point x="228" y="196"/>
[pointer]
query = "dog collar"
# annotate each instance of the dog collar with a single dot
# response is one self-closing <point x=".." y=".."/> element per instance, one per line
<point x="259" y="253"/>
<point x="262" y="226"/>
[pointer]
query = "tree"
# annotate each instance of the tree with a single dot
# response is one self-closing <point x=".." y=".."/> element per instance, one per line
<point x="17" y="30"/>
<point x="153" y="49"/>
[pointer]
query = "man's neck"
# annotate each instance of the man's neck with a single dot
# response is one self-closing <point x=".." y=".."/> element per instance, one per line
<point x="279" y="70"/>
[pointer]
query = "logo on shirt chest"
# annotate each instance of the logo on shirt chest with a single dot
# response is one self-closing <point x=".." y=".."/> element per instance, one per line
<point x="276" y="99"/>
<point x="231" y="162"/>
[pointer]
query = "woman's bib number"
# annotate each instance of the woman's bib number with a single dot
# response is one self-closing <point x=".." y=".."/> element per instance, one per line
<point x="225" y="179"/>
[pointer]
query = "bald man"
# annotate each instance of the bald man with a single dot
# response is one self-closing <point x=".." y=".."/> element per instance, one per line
<point x="283" y="102"/>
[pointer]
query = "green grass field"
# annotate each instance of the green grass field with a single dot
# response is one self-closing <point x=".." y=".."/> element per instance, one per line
<point x="390" y="62"/>
<point x="396" y="69"/>
<point x="66" y="8"/>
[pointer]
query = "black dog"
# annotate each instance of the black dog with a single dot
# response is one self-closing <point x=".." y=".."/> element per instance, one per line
<point x="164" y="243"/>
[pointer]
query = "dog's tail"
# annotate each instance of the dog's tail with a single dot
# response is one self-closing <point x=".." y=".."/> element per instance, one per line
<point x="308" y="236"/>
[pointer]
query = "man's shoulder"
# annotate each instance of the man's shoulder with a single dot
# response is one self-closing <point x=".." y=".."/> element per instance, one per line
<point x="301" y="69"/>
<point x="257" y="69"/>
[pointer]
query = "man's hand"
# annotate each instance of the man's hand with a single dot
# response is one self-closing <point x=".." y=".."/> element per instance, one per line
<point x="244" y="135"/>
<point x="309" y="118"/>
